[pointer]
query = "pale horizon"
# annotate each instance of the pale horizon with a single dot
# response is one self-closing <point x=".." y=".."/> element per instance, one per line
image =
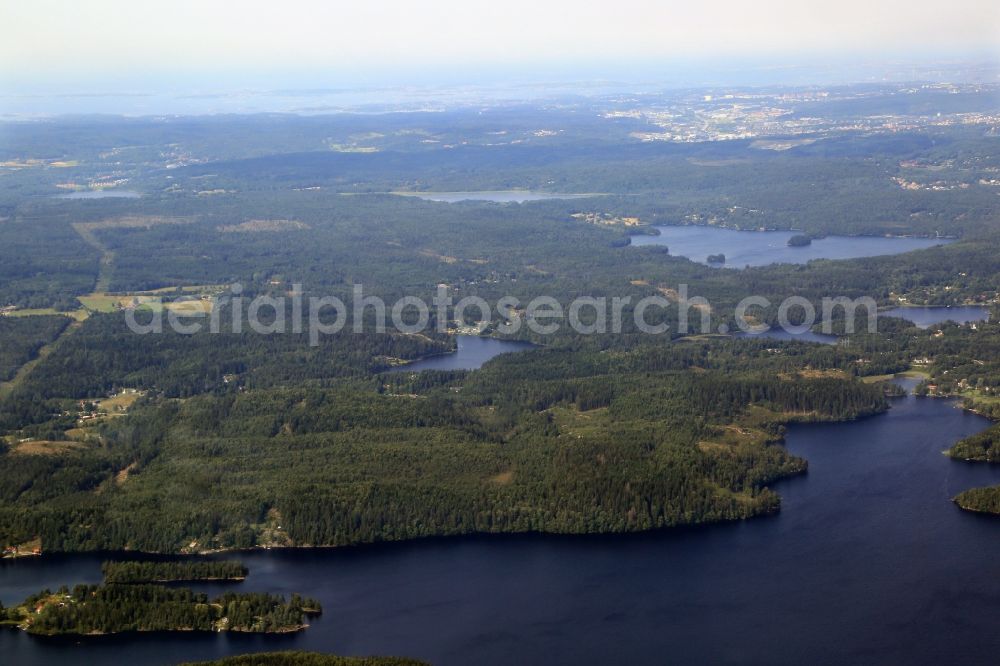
<point x="117" y="45"/>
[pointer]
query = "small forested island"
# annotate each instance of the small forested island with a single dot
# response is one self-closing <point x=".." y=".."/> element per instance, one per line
<point x="980" y="500"/>
<point x="172" y="572"/>
<point x="800" y="240"/>
<point x="296" y="658"/>
<point x="981" y="447"/>
<point x="717" y="258"/>
<point x="111" y="609"/>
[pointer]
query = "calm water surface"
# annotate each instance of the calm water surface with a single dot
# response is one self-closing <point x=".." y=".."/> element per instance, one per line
<point x="868" y="562"/>
<point x="782" y="334"/>
<point x="472" y="352"/>
<point x="760" y="248"/>
<point x="924" y="317"/>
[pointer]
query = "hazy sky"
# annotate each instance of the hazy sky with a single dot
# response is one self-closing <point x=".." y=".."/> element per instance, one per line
<point x="108" y="40"/>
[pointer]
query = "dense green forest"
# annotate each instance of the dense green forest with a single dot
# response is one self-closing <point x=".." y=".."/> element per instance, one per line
<point x="306" y="659"/>
<point x="134" y="571"/>
<point x="23" y="338"/>
<point x="238" y="439"/>
<point x="980" y="500"/>
<point x="111" y="609"/>
<point x="984" y="447"/>
<point x="46" y="265"/>
<point x="174" y="235"/>
<point x="545" y="440"/>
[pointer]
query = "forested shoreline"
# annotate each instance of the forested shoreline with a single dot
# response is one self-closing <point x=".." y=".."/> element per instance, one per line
<point x="542" y="441"/>
<point x="133" y="571"/>
<point x="90" y="610"/>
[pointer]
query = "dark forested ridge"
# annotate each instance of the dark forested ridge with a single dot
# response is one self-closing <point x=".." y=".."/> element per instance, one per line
<point x="306" y="659"/>
<point x="135" y="571"/>
<point x="111" y="609"/>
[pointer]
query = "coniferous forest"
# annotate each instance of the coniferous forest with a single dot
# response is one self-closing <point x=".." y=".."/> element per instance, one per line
<point x="112" y="609"/>
<point x="177" y="442"/>
<point x="135" y="571"/>
<point x="567" y="333"/>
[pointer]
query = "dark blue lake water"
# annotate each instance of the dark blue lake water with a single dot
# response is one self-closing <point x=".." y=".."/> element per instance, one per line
<point x="472" y="352"/>
<point x="868" y="562"/>
<point x="781" y="334"/>
<point x="759" y="248"/>
<point x="924" y="317"/>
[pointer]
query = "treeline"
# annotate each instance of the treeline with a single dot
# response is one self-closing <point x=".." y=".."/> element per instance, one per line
<point x="133" y="571"/>
<point x="294" y="658"/>
<point x="109" y="609"/>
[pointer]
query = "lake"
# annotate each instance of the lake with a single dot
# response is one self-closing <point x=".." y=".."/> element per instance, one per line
<point x="868" y="561"/>
<point x="760" y="248"/>
<point x="498" y="196"/>
<point x="925" y="317"/>
<point x="99" y="194"/>
<point x="782" y="334"/>
<point x="921" y="316"/>
<point x="472" y="352"/>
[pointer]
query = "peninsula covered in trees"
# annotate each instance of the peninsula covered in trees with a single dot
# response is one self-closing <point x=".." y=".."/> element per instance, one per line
<point x="982" y="447"/>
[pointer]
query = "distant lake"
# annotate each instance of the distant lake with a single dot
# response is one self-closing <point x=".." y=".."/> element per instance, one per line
<point x="100" y="194"/>
<point x="760" y="248"/>
<point x="472" y="352"/>
<point x="924" y="317"/>
<point x="498" y="196"/>
<point x="782" y="334"/>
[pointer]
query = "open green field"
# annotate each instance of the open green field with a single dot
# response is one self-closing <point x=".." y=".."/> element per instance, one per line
<point x="100" y="302"/>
